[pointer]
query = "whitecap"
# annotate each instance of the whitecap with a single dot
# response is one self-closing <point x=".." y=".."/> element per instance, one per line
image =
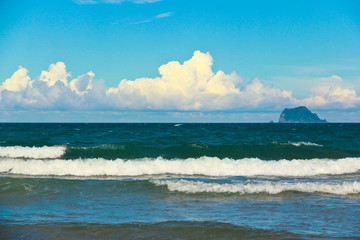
<point x="298" y="144"/>
<point x="32" y="152"/>
<point x="259" y="187"/>
<point x="207" y="166"/>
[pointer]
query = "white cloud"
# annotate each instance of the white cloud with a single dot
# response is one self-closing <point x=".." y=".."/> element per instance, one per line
<point x="188" y="86"/>
<point x="193" y="86"/>
<point x="159" y="16"/>
<point x="164" y="15"/>
<point x="330" y="93"/>
<point x="57" y="72"/>
<point x="48" y="91"/>
<point x="257" y="94"/>
<point x="332" y="98"/>
<point x="82" y="84"/>
<point x="17" y="82"/>
<point x="331" y="79"/>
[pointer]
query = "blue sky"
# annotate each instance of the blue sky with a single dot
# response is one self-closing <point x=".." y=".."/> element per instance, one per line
<point x="273" y="54"/>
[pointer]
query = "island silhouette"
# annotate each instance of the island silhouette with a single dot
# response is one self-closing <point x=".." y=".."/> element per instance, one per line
<point x="299" y="114"/>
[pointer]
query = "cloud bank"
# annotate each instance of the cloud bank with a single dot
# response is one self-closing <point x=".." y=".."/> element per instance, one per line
<point x="188" y="86"/>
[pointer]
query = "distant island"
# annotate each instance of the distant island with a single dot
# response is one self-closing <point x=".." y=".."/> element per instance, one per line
<point x="299" y="115"/>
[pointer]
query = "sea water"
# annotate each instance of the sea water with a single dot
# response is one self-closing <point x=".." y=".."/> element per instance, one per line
<point x="179" y="181"/>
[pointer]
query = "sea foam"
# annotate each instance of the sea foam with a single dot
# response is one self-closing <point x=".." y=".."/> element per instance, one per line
<point x="208" y="166"/>
<point x="32" y="152"/>
<point x="299" y="144"/>
<point x="259" y="187"/>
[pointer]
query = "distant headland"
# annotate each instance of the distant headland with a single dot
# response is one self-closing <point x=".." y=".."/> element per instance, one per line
<point x="299" y="115"/>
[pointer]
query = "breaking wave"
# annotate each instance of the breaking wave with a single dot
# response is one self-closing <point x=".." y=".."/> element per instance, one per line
<point x="32" y="152"/>
<point x="207" y="166"/>
<point x="262" y="187"/>
<point x="298" y="144"/>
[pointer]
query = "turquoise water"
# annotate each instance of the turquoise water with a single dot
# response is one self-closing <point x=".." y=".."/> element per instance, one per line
<point x="184" y="181"/>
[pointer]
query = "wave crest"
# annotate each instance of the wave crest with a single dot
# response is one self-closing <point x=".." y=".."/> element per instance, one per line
<point x="32" y="152"/>
<point x="208" y="166"/>
<point x="263" y="187"/>
<point x="299" y="144"/>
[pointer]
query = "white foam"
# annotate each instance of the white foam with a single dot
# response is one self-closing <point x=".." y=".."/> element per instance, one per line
<point x="259" y="187"/>
<point x="208" y="166"/>
<point x="32" y="152"/>
<point x="298" y="144"/>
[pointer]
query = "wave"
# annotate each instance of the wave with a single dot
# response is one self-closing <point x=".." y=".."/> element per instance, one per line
<point x="32" y="152"/>
<point x="171" y="150"/>
<point x="186" y="186"/>
<point x="298" y="144"/>
<point x="207" y="166"/>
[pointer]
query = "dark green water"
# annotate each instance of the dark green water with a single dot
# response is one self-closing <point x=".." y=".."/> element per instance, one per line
<point x="179" y="181"/>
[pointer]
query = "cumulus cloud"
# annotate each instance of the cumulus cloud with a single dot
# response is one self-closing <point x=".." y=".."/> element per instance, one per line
<point x="257" y="94"/>
<point x="194" y="86"/>
<point x="330" y="93"/>
<point x="48" y="91"/>
<point x="17" y="82"/>
<point x="57" y="72"/>
<point x="188" y="86"/>
<point x="82" y="84"/>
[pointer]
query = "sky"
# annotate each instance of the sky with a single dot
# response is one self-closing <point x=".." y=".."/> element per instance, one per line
<point x="178" y="60"/>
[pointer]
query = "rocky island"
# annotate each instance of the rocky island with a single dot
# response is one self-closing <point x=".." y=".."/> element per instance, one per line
<point x="299" y="115"/>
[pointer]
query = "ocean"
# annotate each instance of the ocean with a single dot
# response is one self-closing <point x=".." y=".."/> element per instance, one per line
<point x="179" y="181"/>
